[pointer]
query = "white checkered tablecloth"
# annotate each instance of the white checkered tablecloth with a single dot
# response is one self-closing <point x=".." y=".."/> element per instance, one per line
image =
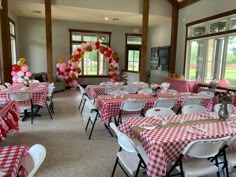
<point x="9" y="116"/>
<point x="110" y="106"/>
<point x="164" y="145"/>
<point x="39" y="91"/>
<point x="11" y="158"/>
<point x="93" y="91"/>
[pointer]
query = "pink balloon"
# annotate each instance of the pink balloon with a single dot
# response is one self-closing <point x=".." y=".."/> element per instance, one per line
<point x="224" y="83"/>
<point x="63" y="65"/>
<point x="15" y="78"/>
<point x="62" y="69"/>
<point x="13" y="73"/>
<point x="25" y="68"/>
<point x="29" y="74"/>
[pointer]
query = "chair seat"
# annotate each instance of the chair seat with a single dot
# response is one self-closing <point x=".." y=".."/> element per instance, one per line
<point x="198" y="167"/>
<point x="231" y="158"/>
<point x="129" y="161"/>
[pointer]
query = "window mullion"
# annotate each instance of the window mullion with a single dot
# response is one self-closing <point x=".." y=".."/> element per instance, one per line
<point x="204" y="60"/>
<point x="226" y="38"/>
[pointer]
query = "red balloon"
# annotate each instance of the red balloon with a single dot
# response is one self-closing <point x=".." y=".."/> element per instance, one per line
<point x="117" y="59"/>
<point x="110" y="60"/>
<point x="97" y="44"/>
<point x="79" y="50"/>
<point x="78" y="55"/>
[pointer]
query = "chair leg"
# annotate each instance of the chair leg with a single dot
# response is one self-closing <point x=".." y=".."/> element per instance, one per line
<point x="216" y="161"/>
<point x="108" y="129"/>
<point x="226" y="164"/>
<point x="49" y="111"/>
<point x="83" y="106"/>
<point x="92" y="127"/>
<point x="87" y="124"/>
<point x="114" y="168"/>
<point x="137" y="171"/>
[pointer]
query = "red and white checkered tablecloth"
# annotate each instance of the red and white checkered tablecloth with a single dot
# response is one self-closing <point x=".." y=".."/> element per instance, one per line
<point x="39" y="92"/>
<point x="110" y="106"/>
<point x="164" y="145"/>
<point x="93" y="91"/>
<point x="11" y="158"/>
<point x="9" y="116"/>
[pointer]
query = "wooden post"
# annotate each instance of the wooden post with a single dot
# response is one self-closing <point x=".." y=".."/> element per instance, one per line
<point x="143" y="60"/>
<point x="6" y="62"/>
<point x="48" y="18"/>
<point x="174" y="31"/>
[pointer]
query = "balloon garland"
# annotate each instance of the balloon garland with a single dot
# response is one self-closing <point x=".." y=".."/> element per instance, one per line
<point x="20" y="71"/>
<point x="71" y="70"/>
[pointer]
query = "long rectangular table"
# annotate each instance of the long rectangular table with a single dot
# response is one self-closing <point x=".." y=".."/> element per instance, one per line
<point x="9" y="116"/>
<point x="109" y="105"/>
<point x="164" y="144"/>
<point x="11" y="158"/>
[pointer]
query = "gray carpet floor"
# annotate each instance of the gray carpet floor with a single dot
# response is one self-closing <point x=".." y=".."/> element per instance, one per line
<point x="69" y="152"/>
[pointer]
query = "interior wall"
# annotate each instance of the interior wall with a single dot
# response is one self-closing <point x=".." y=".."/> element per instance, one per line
<point x="159" y="36"/>
<point x="33" y="44"/>
<point x="197" y="11"/>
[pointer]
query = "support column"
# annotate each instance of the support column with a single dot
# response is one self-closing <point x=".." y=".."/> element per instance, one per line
<point x="143" y="60"/>
<point x="6" y="62"/>
<point x="174" y="31"/>
<point x="48" y="18"/>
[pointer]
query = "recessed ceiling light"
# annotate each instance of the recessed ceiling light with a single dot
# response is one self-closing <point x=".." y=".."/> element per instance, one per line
<point x="106" y="18"/>
<point x="37" y="11"/>
<point x="115" y="19"/>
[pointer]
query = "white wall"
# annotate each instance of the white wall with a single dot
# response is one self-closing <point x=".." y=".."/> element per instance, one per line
<point x="159" y="36"/>
<point x="197" y="11"/>
<point x="32" y="40"/>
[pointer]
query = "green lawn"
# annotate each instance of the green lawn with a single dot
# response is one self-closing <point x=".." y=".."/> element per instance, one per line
<point x="230" y="74"/>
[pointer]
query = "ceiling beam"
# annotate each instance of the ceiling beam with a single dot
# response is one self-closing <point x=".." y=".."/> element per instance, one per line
<point x="187" y="3"/>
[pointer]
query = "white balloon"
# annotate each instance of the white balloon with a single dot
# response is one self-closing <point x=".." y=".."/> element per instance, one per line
<point x="58" y="65"/>
<point x="20" y="73"/>
<point x="20" y="80"/>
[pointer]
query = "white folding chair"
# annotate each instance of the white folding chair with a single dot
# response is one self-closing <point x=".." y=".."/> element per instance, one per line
<point x="131" y="89"/>
<point x="22" y="98"/>
<point x="189" y="109"/>
<point x="166" y="85"/>
<point x="49" y="102"/>
<point x="140" y="83"/>
<point x="105" y="83"/>
<point x="230" y="107"/>
<point x="159" y="111"/>
<point x="93" y="116"/>
<point x="34" y="81"/>
<point x="2" y="87"/>
<point x="131" y="158"/>
<point x="200" y="151"/>
<point x="33" y="159"/>
<point x="110" y="89"/>
<point x="119" y="92"/>
<point x="7" y="84"/>
<point x="171" y="91"/>
<point x="165" y="103"/>
<point x="146" y="91"/>
<point x="119" y="83"/>
<point x="131" y="106"/>
<point x="191" y="101"/>
<point x="207" y="94"/>
<point x="83" y="100"/>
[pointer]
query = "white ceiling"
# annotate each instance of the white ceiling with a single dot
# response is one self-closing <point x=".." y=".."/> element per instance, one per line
<point x="74" y="12"/>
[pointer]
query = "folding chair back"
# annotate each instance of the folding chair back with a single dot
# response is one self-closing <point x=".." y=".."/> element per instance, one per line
<point x="7" y="84"/>
<point x="110" y="89"/>
<point x="19" y="96"/>
<point x="191" y="101"/>
<point x="165" y="103"/>
<point x="230" y="107"/>
<point x="232" y="141"/>
<point x="189" y="109"/>
<point x="132" y="105"/>
<point x="207" y="94"/>
<point x="131" y="89"/>
<point x="119" y="83"/>
<point x="139" y="83"/>
<point x="205" y="148"/>
<point x="81" y="89"/>
<point x="159" y="111"/>
<point x="2" y="87"/>
<point x="166" y="85"/>
<point x="145" y="91"/>
<point x="118" y="92"/>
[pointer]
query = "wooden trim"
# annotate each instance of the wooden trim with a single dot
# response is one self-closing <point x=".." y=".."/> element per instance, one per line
<point x="145" y="20"/>
<point x="90" y="31"/>
<point x="132" y="34"/>
<point x="6" y="44"/>
<point x="131" y="71"/>
<point x="213" y="34"/>
<point x="185" y="50"/>
<point x="174" y="32"/>
<point x="48" y="20"/>
<point x="80" y="42"/>
<point x="186" y="3"/>
<point x="221" y="15"/>
<point x="70" y="38"/>
<point x="14" y="36"/>
<point x="92" y="76"/>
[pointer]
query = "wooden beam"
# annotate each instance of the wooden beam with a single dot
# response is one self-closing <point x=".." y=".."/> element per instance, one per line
<point x="174" y="31"/>
<point x="6" y="62"/>
<point x="186" y="3"/>
<point x="142" y="71"/>
<point x="48" y="18"/>
<point x="172" y="2"/>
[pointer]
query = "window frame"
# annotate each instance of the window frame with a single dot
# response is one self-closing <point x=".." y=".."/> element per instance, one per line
<point x="131" y="47"/>
<point x="13" y="36"/>
<point x="72" y="42"/>
<point x="225" y="34"/>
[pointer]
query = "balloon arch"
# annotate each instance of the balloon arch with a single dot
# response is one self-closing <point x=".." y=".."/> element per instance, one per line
<point x="71" y="70"/>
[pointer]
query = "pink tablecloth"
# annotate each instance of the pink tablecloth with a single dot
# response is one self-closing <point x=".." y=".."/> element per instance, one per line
<point x="9" y="118"/>
<point x="94" y="91"/>
<point x="39" y="91"/>
<point x="182" y="85"/>
<point x="110" y="106"/>
<point x="11" y="158"/>
<point x="164" y="145"/>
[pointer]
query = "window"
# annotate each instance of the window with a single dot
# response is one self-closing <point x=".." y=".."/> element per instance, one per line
<point x="93" y="63"/>
<point x="211" y="50"/>
<point x="133" y="52"/>
<point x="13" y="40"/>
